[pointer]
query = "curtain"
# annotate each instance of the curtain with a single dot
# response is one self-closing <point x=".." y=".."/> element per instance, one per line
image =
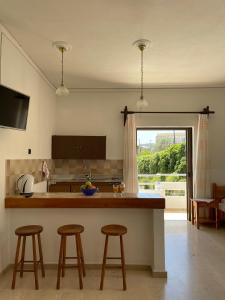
<point x="129" y="161"/>
<point x="201" y="178"/>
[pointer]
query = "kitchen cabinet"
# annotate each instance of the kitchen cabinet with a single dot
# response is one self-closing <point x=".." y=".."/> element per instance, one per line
<point x="78" y="147"/>
<point x="74" y="187"/>
<point x="59" y="187"/>
<point x="103" y="187"/>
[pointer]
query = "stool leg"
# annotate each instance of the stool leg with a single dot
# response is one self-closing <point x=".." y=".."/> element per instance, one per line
<point x="81" y="255"/>
<point x="16" y="262"/>
<point x="60" y="263"/>
<point x="123" y="263"/>
<point x="35" y="262"/>
<point x="22" y="256"/>
<point x="41" y="255"/>
<point x="64" y="257"/>
<point x="104" y="262"/>
<point x="79" y="262"/>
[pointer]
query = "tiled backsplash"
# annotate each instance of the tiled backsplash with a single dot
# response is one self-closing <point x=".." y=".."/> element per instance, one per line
<point x="16" y="167"/>
<point x="97" y="167"/>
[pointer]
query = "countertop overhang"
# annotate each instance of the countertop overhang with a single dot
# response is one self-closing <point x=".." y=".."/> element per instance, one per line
<point x="78" y="200"/>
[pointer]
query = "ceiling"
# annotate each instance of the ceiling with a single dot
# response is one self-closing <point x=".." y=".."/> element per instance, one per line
<point x="188" y="40"/>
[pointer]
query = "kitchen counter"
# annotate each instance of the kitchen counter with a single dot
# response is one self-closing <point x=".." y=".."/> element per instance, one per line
<point x="83" y="178"/>
<point x="78" y="200"/>
<point x="142" y="214"/>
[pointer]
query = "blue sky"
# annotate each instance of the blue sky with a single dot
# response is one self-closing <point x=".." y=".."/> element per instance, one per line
<point x="148" y="136"/>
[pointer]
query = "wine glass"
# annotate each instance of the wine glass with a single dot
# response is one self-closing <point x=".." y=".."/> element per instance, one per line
<point x="122" y="187"/>
<point x="115" y="188"/>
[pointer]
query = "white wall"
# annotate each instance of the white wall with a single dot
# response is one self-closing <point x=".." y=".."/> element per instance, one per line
<point x="20" y="73"/>
<point x="93" y="114"/>
<point x="98" y="113"/>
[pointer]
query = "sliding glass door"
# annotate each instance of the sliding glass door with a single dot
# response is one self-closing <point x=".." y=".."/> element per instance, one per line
<point x="164" y="158"/>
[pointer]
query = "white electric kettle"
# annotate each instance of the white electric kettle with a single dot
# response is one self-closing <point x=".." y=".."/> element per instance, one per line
<point x="25" y="184"/>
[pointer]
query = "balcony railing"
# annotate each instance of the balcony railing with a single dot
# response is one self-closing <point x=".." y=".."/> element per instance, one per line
<point x="168" y="186"/>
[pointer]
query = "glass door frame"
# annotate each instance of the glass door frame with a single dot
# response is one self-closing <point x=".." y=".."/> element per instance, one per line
<point x="189" y="157"/>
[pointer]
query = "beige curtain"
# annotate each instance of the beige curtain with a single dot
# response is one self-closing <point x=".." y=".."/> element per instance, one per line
<point x="129" y="161"/>
<point x="201" y="178"/>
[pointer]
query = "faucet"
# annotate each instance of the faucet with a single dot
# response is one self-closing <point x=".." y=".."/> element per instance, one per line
<point x="88" y="176"/>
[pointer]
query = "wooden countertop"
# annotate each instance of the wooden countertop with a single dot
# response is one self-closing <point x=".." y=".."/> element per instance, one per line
<point x="78" y="200"/>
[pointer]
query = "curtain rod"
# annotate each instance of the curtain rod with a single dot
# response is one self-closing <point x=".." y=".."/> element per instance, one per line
<point x="127" y="112"/>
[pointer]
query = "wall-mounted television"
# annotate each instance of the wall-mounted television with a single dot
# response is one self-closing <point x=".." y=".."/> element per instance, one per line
<point x="13" y="108"/>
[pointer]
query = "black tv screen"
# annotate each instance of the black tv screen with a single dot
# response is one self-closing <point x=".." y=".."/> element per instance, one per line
<point x="13" y="108"/>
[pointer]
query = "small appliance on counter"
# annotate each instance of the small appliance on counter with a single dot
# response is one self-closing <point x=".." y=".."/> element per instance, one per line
<point x="25" y="185"/>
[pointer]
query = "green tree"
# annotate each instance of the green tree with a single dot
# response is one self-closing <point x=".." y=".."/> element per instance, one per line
<point x="182" y="166"/>
<point x="170" y="160"/>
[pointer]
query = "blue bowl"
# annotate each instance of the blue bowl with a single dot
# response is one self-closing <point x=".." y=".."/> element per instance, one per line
<point x="89" y="192"/>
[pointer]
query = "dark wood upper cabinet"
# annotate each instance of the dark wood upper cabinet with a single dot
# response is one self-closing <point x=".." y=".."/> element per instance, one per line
<point x="78" y="147"/>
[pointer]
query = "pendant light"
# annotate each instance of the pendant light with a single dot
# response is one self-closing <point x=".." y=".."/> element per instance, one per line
<point x="142" y="45"/>
<point x="62" y="47"/>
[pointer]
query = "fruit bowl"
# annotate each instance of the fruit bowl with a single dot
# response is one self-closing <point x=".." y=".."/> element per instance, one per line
<point x="89" y="192"/>
<point x="88" y="188"/>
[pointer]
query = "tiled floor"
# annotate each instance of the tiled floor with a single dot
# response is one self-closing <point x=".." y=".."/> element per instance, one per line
<point x="195" y="261"/>
<point x="175" y="216"/>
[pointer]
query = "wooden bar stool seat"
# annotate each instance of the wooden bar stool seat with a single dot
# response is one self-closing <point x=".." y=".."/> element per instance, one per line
<point x="70" y="229"/>
<point x="23" y="232"/>
<point x="114" y="230"/>
<point x="65" y="231"/>
<point x="29" y="230"/>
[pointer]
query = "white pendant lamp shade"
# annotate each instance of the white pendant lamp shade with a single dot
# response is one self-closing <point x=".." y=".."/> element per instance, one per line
<point x="142" y="103"/>
<point x="142" y="45"/>
<point x="62" y="90"/>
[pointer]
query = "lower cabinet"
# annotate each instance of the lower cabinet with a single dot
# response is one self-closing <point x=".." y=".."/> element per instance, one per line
<point x="63" y="187"/>
<point x="104" y="187"/>
<point x="74" y="187"/>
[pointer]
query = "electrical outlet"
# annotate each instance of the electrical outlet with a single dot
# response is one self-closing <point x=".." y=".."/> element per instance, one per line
<point x="29" y="151"/>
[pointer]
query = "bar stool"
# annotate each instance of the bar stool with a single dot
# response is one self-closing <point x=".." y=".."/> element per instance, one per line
<point x="65" y="231"/>
<point x="114" y="230"/>
<point x="24" y="232"/>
